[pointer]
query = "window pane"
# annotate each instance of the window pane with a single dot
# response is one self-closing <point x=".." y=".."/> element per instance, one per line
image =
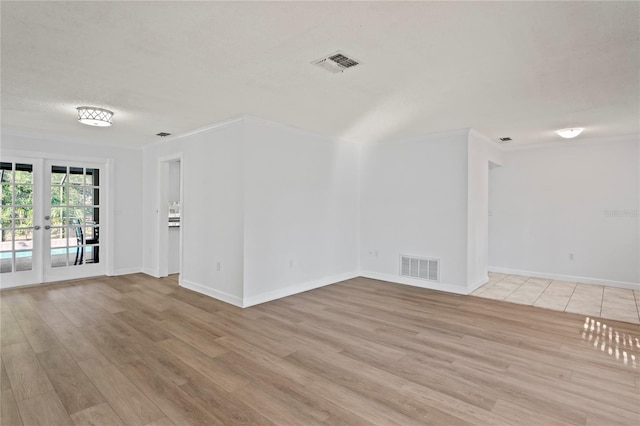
<point x="58" y="237"/>
<point x="24" y="260"/>
<point x="59" y="216"/>
<point x="23" y="238"/>
<point x="7" y="240"/>
<point x="23" y="213"/>
<point x="24" y="195"/>
<point x="6" y="262"/>
<point x="76" y="236"/>
<point x="92" y="177"/>
<point x="6" y="213"/>
<point x="58" y="175"/>
<point x="24" y="173"/>
<point x="76" y="175"/>
<point x="59" y="257"/>
<point x="6" y="172"/>
<point x="92" y="254"/>
<point x="6" y="194"/>
<point x="58" y="195"/>
<point x="91" y="196"/>
<point x="76" y="195"/>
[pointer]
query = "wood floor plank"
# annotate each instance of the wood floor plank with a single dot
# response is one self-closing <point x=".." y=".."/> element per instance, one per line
<point x="138" y="350"/>
<point x="44" y="410"/>
<point x="131" y="405"/>
<point x="4" y="379"/>
<point x="98" y="415"/>
<point x="75" y="390"/>
<point x="204" y="364"/>
<point x="177" y="405"/>
<point x="26" y="375"/>
<point x="9" y="414"/>
<point x="10" y="331"/>
<point x="40" y="337"/>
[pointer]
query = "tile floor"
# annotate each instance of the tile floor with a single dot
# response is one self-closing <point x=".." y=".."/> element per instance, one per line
<point x="594" y="300"/>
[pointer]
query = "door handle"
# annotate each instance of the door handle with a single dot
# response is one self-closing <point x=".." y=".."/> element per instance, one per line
<point x="47" y="227"/>
<point x="47" y="217"/>
<point x="36" y="227"/>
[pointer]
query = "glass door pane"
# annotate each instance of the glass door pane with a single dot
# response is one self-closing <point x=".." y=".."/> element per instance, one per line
<point x="74" y="220"/>
<point x="18" y="233"/>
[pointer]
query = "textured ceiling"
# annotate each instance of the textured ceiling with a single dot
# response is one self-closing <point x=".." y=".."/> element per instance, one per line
<point x="518" y="69"/>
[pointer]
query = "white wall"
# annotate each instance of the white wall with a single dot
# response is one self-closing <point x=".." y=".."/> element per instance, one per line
<point x="300" y="211"/>
<point x="414" y="202"/>
<point x="125" y="191"/>
<point x="482" y="153"/>
<point x="212" y="213"/>
<point x="552" y="201"/>
<point x="275" y="207"/>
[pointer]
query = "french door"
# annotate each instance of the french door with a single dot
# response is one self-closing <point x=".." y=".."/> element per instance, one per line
<point x="51" y="221"/>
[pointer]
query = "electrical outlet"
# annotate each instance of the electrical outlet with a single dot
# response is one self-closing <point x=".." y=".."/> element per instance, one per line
<point x="571" y="256"/>
<point x="218" y="266"/>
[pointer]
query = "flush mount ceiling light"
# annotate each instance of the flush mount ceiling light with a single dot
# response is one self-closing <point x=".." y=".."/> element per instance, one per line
<point x="569" y="133"/>
<point x="93" y="116"/>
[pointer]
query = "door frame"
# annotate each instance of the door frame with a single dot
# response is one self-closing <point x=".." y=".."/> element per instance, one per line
<point x="35" y="275"/>
<point x="162" y="229"/>
<point x="106" y="246"/>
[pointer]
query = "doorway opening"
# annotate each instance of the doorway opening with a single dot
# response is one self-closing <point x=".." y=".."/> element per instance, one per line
<point x="170" y="213"/>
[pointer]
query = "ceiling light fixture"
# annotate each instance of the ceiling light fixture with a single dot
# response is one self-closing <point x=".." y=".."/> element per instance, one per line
<point x="93" y="116"/>
<point x="569" y="133"/>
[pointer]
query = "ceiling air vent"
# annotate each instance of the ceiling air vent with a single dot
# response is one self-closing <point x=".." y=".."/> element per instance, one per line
<point x="420" y="267"/>
<point x="336" y="62"/>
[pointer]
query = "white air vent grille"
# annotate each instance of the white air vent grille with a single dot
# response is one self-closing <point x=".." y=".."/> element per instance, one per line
<point x="336" y="62"/>
<point x="420" y="267"/>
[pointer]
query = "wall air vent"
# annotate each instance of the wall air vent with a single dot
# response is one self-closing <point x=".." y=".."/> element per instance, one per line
<point x="420" y="267"/>
<point x="336" y="62"/>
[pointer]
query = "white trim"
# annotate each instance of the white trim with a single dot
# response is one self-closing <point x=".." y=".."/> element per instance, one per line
<point x="569" y="278"/>
<point x="126" y="271"/>
<point x="207" y="291"/>
<point x="64" y="139"/>
<point x="295" y="289"/>
<point x="431" y="285"/>
<point x="162" y="230"/>
<point x="217" y="125"/>
<point x="571" y="142"/>
<point x="477" y="284"/>
<point x="152" y="272"/>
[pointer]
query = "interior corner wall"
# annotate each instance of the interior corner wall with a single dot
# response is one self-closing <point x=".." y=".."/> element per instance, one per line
<point x="413" y="201"/>
<point x="580" y="198"/>
<point x="481" y="153"/>
<point x="125" y="190"/>
<point x="212" y="210"/>
<point x="300" y="211"/>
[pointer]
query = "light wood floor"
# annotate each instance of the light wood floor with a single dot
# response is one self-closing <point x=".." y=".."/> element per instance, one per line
<point x="136" y="350"/>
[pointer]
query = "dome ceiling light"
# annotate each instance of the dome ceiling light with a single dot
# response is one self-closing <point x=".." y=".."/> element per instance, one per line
<point x="94" y="116"/>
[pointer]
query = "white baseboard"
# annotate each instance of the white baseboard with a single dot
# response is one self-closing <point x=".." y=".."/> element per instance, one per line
<point x="216" y="294"/>
<point x="126" y="271"/>
<point x="153" y="272"/>
<point x="295" y="289"/>
<point x="480" y="283"/>
<point x="569" y="278"/>
<point x="451" y="288"/>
